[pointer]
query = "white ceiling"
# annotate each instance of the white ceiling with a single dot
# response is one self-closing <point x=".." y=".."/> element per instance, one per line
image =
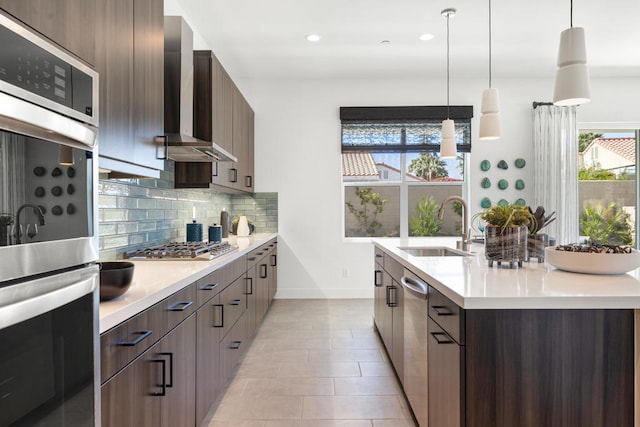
<point x="266" y="38"/>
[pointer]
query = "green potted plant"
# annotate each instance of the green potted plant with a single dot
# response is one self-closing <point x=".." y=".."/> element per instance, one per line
<point x="536" y="241"/>
<point x="505" y="233"/>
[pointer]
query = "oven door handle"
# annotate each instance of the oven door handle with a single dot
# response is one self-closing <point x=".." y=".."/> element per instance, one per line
<point x="26" y="300"/>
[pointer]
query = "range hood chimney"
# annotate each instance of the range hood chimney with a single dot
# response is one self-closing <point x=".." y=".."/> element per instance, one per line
<point x="178" y="98"/>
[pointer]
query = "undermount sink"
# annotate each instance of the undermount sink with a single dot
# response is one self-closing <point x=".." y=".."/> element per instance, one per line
<point x="433" y="251"/>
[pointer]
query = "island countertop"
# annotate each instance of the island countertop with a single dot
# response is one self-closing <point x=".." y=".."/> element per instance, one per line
<point x="472" y="284"/>
<point x="155" y="280"/>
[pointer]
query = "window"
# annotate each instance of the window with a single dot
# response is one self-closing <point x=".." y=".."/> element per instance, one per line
<point x="394" y="180"/>
<point x="607" y="185"/>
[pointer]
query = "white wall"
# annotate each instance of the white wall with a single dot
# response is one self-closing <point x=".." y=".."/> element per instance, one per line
<point x="298" y="155"/>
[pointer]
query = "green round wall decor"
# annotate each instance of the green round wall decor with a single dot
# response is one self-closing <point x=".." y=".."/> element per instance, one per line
<point x="519" y="184"/>
<point x="503" y="165"/>
<point x="520" y="202"/>
<point x="485" y="203"/>
<point x="485" y="165"/>
<point x="485" y="183"/>
<point x="520" y="163"/>
<point x="503" y="184"/>
<point x="503" y="202"/>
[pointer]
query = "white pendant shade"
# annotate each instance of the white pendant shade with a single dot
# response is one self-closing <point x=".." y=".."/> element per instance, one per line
<point x="448" y="147"/>
<point x="572" y="77"/>
<point x="490" y="127"/>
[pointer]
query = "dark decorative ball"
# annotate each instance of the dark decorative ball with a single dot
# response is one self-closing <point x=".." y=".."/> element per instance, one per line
<point x="57" y="210"/>
<point x="56" y="172"/>
<point x="56" y="191"/>
<point x="71" y="189"/>
<point x="71" y="172"/>
<point x="71" y="209"/>
<point x="39" y="171"/>
<point x="40" y="192"/>
<point x="503" y="165"/>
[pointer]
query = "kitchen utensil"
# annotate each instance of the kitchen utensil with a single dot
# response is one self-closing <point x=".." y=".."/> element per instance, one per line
<point x="215" y="233"/>
<point x="115" y="278"/>
<point x="592" y="263"/>
<point x="194" y="232"/>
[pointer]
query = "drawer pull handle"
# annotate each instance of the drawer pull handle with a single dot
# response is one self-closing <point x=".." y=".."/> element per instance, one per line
<point x="249" y="281"/>
<point x="235" y="345"/>
<point x="274" y="260"/>
<point x="141" y="335"/>
<point x="170" y="384"/>
<point x="391" y="302"/>
<point x="209" y="286"/>
<point x="235" y="302"/>
<point x="179" y="306"/>
<point x="163" y="384"/>
<point x="445" y="340"/>
<point x="251" y="259"/>
<point x="441" y="310"/>
<point x="221" y="325"/>
<point x="377" y="278"/>
<point x="263" y="271"/>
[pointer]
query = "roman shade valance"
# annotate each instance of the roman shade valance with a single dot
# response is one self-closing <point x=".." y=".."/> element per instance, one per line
<point x="402" y="129"/>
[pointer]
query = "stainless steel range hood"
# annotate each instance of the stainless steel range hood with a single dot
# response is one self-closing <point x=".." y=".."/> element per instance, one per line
<point x="178" y="98"/>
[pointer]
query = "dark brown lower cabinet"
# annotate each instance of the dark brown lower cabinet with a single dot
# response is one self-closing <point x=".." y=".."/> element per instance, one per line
<point x="446" y="378"/>
<point x="551" y="368"/>
<point x="158" y="388"/>
<point x="208" y="386"/>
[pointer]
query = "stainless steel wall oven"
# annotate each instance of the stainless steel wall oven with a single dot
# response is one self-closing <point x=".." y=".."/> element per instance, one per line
<point x="48" y="233"/>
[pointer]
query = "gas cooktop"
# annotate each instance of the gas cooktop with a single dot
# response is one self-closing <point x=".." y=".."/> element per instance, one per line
<point x="189" y="251"/>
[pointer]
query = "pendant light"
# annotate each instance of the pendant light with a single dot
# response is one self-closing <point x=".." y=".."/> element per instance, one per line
<point x="572" y="77"/>
<point x="490" y="120"/>
<point x="448" y="135"/>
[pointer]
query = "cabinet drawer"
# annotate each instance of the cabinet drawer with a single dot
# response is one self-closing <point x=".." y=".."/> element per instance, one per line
<point x="393" y="267"/>
<point x="232" y="271"/>
<point x="125" y="342"/>
<point x="209" y="286"/>
<point x="379" y="257"/>
<point x="234" y="303"/>
<point x="447" y="314"/>
<point x="177" y="307"/>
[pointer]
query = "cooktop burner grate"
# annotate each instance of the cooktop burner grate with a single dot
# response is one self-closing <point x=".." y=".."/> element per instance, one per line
<point x="182" y="250"/>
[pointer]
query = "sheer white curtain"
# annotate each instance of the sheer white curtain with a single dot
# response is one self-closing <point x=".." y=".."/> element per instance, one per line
<point x="556" y="168"/>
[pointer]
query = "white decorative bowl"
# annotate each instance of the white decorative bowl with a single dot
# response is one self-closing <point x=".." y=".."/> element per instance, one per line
<point x="592" y="263"/>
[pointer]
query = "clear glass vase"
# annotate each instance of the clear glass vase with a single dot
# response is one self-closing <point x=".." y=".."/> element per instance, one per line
<point x="505" y="245"/>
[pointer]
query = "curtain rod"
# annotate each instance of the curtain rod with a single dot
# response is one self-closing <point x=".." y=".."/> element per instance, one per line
<point x="537" y="104"/>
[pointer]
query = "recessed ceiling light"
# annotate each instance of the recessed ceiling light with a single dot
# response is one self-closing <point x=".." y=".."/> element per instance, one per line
<point x="313" y="37"/>
<point x="426" y="37"/>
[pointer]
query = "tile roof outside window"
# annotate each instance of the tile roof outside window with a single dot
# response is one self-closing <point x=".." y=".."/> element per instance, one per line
<point x="358" y="164"/>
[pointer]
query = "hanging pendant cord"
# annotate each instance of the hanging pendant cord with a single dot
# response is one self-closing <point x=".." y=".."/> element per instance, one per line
<point x="448" y="14"/>
<point x="571" y="14"/>
<point x="489" y="43"/>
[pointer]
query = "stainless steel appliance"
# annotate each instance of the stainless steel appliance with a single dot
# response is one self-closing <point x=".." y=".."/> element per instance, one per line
<point x="415" y="344"/>
<point x="204" y="251"/>
<point x="49" y="365"/>
<point x="178" y="98"/>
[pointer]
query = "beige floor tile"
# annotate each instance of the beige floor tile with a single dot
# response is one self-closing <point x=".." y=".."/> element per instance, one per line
<point x="376" y="369"/>
<point x="289" y="387"/>
<point x="376" y="386"/>
<point x="265" y="408"/>
<point x="315" y="363"/>
<point x="352" y="408"/>
<point x="319" y="423"/>
<point x="319" y="369"/>
<point x="345" y="356"/>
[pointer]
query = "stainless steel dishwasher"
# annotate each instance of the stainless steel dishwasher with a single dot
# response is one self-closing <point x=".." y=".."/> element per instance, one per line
<point x="415" y="345"/>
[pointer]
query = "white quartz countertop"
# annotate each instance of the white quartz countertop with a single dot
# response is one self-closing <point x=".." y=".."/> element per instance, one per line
<point x="153" y="281"/>
<point x="472" y="284"/>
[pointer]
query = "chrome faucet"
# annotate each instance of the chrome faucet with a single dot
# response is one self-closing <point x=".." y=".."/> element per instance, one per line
<point x="36" y="210"/>
<point x="466" y="240"/>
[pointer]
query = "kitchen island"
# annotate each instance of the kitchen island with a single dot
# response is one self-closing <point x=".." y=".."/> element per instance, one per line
<point x="529" y="346"/>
